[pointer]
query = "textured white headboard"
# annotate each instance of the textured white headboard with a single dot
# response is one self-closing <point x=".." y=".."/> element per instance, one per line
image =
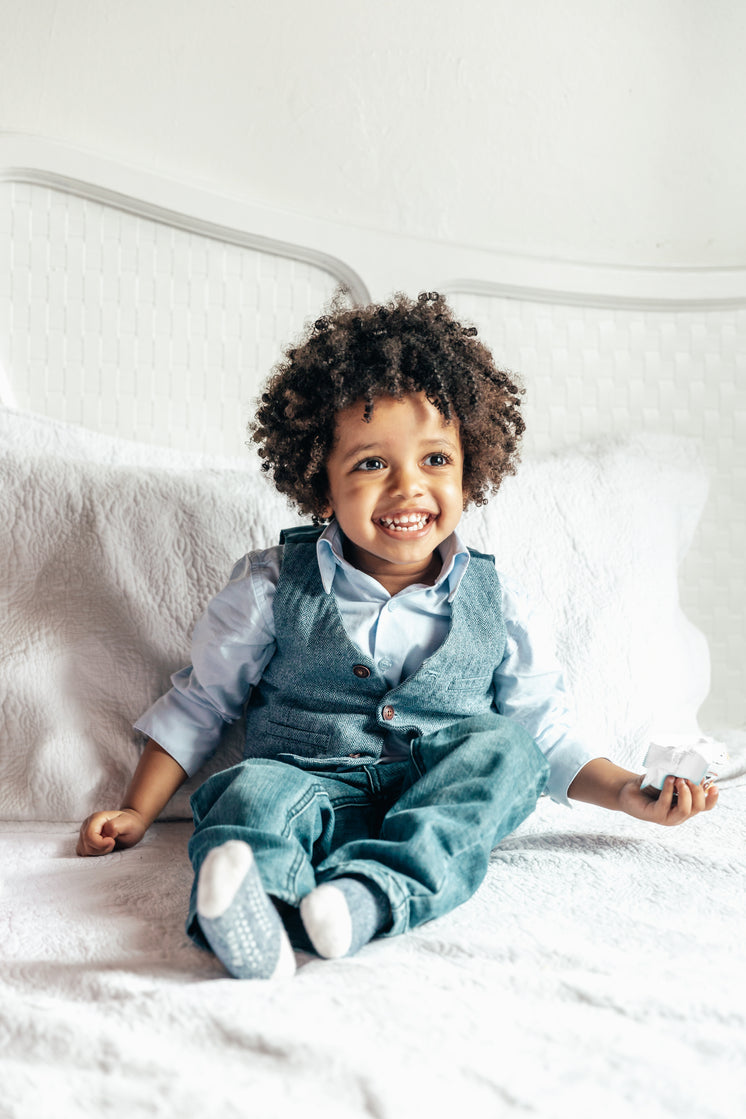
<point x="140" y="327"/>
<point x="597" y="371"/>
<point x="153" y="311"/>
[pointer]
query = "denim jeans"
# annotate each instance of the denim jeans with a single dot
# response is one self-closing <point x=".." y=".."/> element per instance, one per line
<point x="421" y="829"/>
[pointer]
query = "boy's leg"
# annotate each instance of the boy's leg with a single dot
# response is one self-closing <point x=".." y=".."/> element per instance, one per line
<point x="252" y="803"/>
<point x="259" y="829"/>
<point x="469" y="786"/>
<point x="237" y="917"/>
<point x="339" y="917"/>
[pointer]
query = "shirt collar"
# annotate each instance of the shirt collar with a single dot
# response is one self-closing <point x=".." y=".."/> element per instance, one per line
<point x="453" y="553"/>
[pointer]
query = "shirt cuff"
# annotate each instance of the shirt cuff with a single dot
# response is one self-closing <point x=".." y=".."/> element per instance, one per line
<point x="564" y="766"/>
<point x="175" y="724"/>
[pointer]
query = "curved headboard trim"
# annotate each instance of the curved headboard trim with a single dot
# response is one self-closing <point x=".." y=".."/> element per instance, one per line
<point x="369" y="263"/>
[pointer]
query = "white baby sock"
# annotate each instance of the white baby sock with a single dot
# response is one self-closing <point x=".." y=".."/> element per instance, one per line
<point x="238" y="918"/>
<point x="341" y="916"/>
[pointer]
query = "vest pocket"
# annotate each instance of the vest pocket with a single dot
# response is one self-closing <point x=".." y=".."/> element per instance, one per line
<point x="472" y="684"/>
<point x="299" y="730"/>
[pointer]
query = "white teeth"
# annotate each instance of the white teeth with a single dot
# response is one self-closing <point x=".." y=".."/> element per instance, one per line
<point x="407" y="522"/>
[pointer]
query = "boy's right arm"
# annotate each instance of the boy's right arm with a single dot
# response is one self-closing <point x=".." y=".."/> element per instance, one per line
<point x="154" y="782"/>
<point x="232" y="643"/>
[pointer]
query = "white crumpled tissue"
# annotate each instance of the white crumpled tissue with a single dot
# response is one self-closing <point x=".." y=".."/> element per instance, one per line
<point x="692" y="760"/>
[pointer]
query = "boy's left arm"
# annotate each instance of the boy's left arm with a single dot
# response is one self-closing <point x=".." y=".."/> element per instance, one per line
<point x="608" y="785"/>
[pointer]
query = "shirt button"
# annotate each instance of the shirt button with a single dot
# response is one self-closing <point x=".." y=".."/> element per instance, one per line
<point x="384" y="663"/>
<point x="388" y="713"/>
<point x="361" y="671"/>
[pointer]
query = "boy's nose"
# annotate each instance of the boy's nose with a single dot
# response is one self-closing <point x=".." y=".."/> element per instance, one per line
<point x="406" y="481"/>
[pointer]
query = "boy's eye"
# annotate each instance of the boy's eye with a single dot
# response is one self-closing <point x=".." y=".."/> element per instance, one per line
<point x="437" y="458"/>
<point x="370" y="464"/>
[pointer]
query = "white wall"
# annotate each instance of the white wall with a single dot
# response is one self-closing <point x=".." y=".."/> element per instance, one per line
<point x="586" y="129"/>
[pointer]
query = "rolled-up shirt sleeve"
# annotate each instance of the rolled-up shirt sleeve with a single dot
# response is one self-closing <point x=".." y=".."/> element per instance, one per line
<point x="232" y="644"/>
<point x="530" y="688"/>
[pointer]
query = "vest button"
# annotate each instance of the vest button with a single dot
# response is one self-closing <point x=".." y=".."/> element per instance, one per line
<point x="388" y="713"/>
<point x="361" y="671"/>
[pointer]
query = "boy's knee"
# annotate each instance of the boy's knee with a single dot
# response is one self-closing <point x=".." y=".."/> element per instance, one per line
<point x="479" y="730"/>
<point x="255" y="784"/>
<point x="492" y="741"/>
<point x="523" y="750"/>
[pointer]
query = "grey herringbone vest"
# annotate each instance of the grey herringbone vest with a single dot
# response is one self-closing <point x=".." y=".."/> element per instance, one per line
<point x="322" y="698"/>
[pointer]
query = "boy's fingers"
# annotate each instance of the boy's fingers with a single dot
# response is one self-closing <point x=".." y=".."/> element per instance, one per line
<point x="704" y="797"/>
<point x="94" y="838"/>
<point x="684" y="795"/>
<point x="677" y="801"/>
<point x="670" y="810"/>
<point x="124" y="828"/>
<point x="665" y="800"/>
<point x="112" y="828"/>
<point x="699" y="798"/>
<point x="94" y="845"/>
<point x="711" y="795"/>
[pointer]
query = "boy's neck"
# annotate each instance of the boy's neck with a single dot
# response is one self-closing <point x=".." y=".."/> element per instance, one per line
<point x="388" y="575"/>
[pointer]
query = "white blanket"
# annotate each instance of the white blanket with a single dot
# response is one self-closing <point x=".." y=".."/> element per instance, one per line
<point x="599" y="969"/>
<point x="597" y="972"/>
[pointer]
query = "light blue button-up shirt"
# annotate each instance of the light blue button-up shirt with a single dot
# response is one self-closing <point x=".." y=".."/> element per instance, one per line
<point x="234" y="640"/>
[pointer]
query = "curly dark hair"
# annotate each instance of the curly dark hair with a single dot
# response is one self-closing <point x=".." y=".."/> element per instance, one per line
<point x="389" y="349"/>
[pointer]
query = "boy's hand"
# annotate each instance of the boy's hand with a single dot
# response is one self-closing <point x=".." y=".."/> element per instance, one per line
<point x="603" y="782"/>
<point x="155" y="780"/>
<point x="678" y="801"/>
<point x="102" y="832"/>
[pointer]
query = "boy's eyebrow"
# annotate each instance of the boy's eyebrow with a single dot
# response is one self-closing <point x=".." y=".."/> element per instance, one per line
<point x="361" y="449"/>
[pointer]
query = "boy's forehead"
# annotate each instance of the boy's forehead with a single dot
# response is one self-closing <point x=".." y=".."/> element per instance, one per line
<point x="360" y="432"/>
<point x="383" y="408"/>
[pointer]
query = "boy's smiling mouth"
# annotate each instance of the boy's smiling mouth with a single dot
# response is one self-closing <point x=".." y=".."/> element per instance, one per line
<point x="406" y="522"/>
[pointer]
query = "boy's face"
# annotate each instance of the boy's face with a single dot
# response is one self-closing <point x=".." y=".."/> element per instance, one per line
<point x="395" y="487"/>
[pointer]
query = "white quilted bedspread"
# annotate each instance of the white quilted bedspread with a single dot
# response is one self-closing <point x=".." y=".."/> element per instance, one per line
<point x="599" y="971"/>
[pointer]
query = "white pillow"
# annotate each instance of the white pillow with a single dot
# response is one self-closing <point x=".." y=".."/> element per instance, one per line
<point x="596" y="535"/>
<point x="111" y="550"/>
<point x="32" y="431"/>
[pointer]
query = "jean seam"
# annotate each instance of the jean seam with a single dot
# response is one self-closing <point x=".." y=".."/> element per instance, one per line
<point x="293" y="872"/>
<point x="300" y="807"/>
<point x="417" y="761"/>
<point x="315" y="792"/>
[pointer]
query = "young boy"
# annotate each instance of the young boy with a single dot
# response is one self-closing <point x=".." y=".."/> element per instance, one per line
<point x="405" y="709"/>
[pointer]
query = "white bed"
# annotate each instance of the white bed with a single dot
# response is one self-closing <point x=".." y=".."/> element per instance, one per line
<point x="600" y="967"/>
